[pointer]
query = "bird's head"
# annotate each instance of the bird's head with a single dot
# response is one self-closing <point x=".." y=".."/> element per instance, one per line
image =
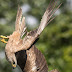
<point x="11" y="46"/>
<point x="15" y="42"/>
<point x="12" y="59"/>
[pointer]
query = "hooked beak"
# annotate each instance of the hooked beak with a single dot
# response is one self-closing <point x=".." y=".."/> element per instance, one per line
<point x="13" y="65"/>
<point x="3" y="38"/>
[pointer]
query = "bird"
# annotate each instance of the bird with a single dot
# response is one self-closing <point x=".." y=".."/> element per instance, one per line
<point x="21" y="50"/>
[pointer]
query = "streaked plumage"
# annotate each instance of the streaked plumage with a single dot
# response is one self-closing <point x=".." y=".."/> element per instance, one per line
<point x="23" y="51"/>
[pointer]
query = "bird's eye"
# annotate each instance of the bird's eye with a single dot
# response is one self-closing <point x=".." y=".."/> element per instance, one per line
<point x="13" y="62"/>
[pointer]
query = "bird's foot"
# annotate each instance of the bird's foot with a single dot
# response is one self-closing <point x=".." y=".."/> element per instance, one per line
<point x="3" y="39"/>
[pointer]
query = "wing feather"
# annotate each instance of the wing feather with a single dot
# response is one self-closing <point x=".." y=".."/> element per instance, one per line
<point x="18" y="19"/>
<point x="46" y="19"/>
<point x="20" y="23"/>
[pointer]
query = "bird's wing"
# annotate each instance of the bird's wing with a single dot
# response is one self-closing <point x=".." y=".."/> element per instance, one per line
<point x="31" y="60"/>
<point x="30" y="38"/>
<point x="20" y="23"/>
<point x="18" y="19"/>
<point x="41" y="63"/>
<point x="48" y="16"/>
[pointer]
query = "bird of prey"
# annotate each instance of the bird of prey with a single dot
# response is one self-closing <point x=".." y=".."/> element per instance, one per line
<point x="22" y="51"/>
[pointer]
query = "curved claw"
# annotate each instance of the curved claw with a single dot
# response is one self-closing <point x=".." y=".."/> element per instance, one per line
<point x="3" y="40"/>
<point x="4" y="37"/>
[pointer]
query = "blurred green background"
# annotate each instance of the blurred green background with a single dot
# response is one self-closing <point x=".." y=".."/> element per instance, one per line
<point x="55" y="41"/>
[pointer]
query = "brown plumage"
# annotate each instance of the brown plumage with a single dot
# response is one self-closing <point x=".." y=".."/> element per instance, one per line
<point x="32" y="60"/>
<point x="23" y="51"/>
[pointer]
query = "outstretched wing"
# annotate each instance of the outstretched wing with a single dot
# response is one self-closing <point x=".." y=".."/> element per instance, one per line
<point x="30" y="38"/>
<point x="20" y="23"/>
<point x="47" y="17"/>
<point x="18" y="19"/>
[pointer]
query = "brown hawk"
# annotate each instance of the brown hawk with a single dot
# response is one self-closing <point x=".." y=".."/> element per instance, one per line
<point x="22" y="51"/>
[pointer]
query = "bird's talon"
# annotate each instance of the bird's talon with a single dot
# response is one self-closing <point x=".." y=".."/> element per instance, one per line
<point x="4" y="37"/>
<point x="3" y="40"/>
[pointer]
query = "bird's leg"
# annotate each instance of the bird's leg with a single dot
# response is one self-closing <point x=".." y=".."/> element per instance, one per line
<point x="3" y="38"/>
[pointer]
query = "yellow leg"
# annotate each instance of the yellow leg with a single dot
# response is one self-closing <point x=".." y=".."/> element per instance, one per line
<point x="3" y="40"/>
<point x="4" y="37"/>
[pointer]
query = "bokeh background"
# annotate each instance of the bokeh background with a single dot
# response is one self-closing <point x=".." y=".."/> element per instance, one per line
<point x="55" y="41"/>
